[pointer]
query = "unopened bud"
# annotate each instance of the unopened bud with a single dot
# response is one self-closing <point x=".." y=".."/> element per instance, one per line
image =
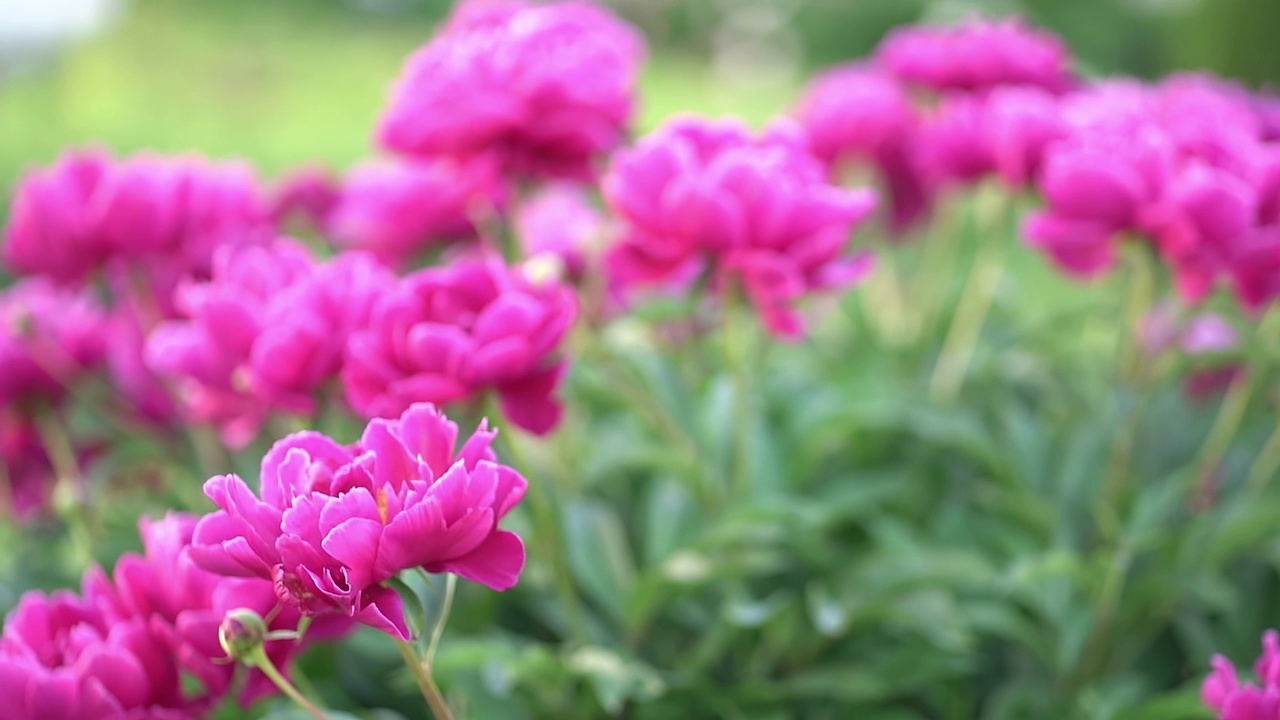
<point x="242" y="633"/>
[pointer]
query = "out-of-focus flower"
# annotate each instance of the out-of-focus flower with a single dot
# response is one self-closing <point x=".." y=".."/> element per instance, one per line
<point x="560" y="222"/>
<point x="1197" y="225"/>
<point x="264" y="334"/>
<point x="544" y="89"/>
<point x="858" y="115"/>
<point x="310" y="194"/>
<point x="397" y="210"/>
<point x="447" y="334"/>
<point x="1206" y="340"/>
<point x="757" y="211"/>
<point x="67" y="657"/>
<point x="952" y="147"/>
<point x="1255" y="268"/>
<point x="1019" y="124"/>
<point x="1232" y="700"/>
<point x="161" y="213"/>
<point x="185" y="605"/>
<point x="49" y="337"/>
<point x="1097" y="186"/>
<point x="28" y="476"/>
<point x="977" y="55"/>
<point x="331" y="524"/>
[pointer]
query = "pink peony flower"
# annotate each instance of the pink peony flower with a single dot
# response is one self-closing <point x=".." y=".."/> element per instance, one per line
<point x="1255" y="268"/>
<point x="28" y="474"/>
<point x="165" y="214"/>
<point x="264" y="334"/>
<point x="445" y="335"/>
<point x="1223" y="692"/>
<point x="68" y="657"/>
<point x="185" y="604"/>
<point x="396" y="211"/>
<point x="49" y="338"/>
<point x="1019" y="125"/>
<point x="561" y="223"/>
<point x="756" y="210"/>
<point x="332" y="524"/>
<point x="310" y="194"/>
<point x="545" y="89"/>
<point x="1205" y="214"/>
<point x="857" y="115"/>
<point x="952" y="146"/>
<point x="1098" y="186"/>
<point x="977" y="55"/>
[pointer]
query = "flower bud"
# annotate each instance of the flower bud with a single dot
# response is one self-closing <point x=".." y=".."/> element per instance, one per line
<point x="242" y="633"/>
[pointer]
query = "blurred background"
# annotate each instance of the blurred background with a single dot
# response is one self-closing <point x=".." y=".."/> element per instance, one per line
<point x="295" y="81"/>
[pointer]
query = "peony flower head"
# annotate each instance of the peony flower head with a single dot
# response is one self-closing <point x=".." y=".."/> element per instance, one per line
<point x="561" y="223"/>
<point x="309" y="194"/>
<point x="544" y="89"/>
<point x="977" y="55"/>
<point x="264" y="334"/>
<point x="185" y="605"/>
<point x="756" y="210"/>
<point x="331" y="524"/>
<point x="68" y="657"/>
<point x="1098" y="185"/>
<point x="49" y="338"/>
<point x="857" y="115"/>
<point x="398" y="210"/>
<point x="90" y="211"/>
<point x="449" y="334"/>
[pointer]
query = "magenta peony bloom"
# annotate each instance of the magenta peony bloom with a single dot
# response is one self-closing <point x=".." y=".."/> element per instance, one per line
<point x="396" y="211"/>
<point x="309" y="194"/>
<point x="561" y="223"/>
<point x="264" y="334"/>
<point x="67" y="657"/>
<point x="164" y="213"/>
<point x="1097" y="186"/>
<point x="756" y="210"/>
<point x="332" y="524"/>
<point x="49" y="337"/>
<point x="28" y="474"/>
<point x="977" y="55"/>
<point x="1019" y="125"/>
<point x="185" y="605"/>
<point x="1205" y="213"/>
<point x="543" y="89"/>
<point x="1255" y="268"/>
<point x="1223" y="692"/>
<point x="952" y="146"/>
<point x="857" y="115"/>
<point x="445" y="335"/>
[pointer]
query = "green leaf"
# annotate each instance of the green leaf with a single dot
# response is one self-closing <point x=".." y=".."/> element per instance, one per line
<point x="599" y="555"/>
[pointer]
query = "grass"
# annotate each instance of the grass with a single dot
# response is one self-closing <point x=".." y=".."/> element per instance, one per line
<point x="279" y="83"/>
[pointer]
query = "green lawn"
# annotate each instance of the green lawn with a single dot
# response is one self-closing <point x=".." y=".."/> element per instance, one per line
<point x="280" y="83"/>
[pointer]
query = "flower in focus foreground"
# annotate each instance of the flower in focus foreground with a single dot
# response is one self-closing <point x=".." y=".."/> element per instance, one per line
<point x="448" y="334"/>
<point x="702" y="195"/>
<point x="544" y="89"/>
<point x="332" y="524"/>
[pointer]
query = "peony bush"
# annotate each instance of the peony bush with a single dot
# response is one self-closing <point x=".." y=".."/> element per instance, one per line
<point x="950" y="393"/>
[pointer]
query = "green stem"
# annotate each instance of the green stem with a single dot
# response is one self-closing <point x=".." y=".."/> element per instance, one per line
<point x="1132" y="372"/>
<point x="437" y="630"/>
<point x="72" y="504"/>
<point x="263" y="663"/>
<point x="1266" y="465"/>
<point x="1225" y="426"/>
<point x="546" y="524"/>
<point x="427" y="684"/>
<point x="961" y="342"/>
<point x="737" y="352"/>
<point x="938" y="257"/>
<point x="1113" y="585"/>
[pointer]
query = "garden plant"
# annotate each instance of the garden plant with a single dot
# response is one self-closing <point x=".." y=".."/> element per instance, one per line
<point x="949" y="393"/>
